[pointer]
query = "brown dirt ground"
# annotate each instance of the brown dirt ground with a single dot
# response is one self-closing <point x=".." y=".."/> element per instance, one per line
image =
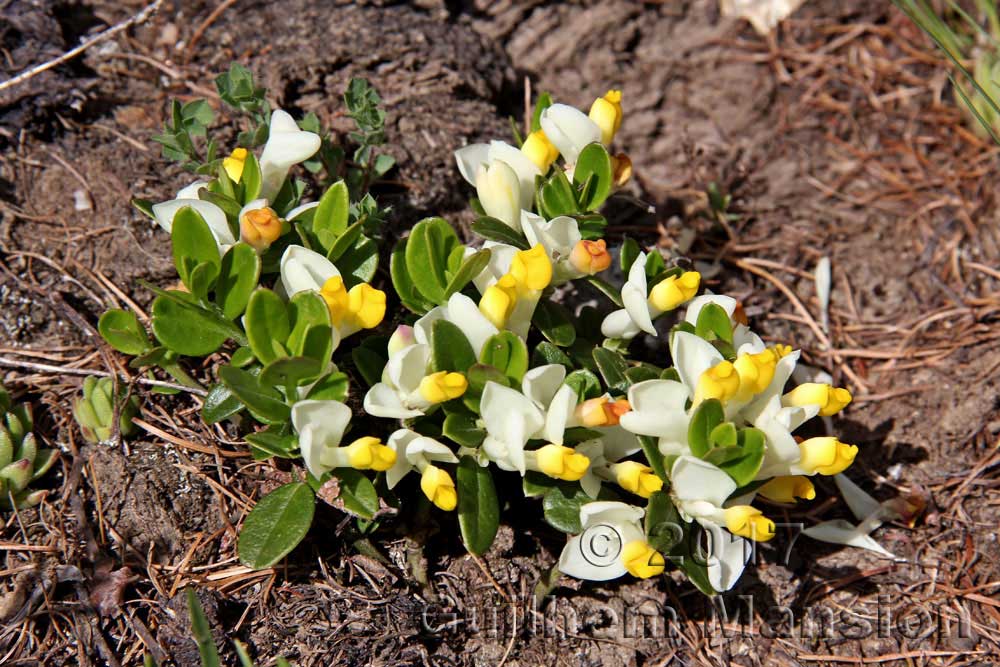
<point x="839" y="137"/>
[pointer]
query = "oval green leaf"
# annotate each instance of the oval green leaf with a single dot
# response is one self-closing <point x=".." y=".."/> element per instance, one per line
<point x="478" y="507"/>
<point x="276" y="525"/>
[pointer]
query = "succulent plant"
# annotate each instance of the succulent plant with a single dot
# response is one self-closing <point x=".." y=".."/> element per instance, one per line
<point x="95" y="410"/>
<point x="22" y="461"/>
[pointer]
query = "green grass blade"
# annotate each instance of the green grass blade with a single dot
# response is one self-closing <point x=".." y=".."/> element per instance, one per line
<point x="202" y="632"/>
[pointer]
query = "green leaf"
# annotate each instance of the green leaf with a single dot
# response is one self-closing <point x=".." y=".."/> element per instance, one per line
<point x="744" y="466"/>
<point x="243" y="356"/>
<point x="607" y="289"/>
<point x="202" y="279"/>
<point x="507" y="353"/>
<point x="547" y="353"/>
<point x="478" y="375"/>
<point x="654" y="264"/>
<point x="637" y="374"/>
<point x="471" y="267"/>
<point x="706" y="417"/>
<point x="713" y="322"/>
<point x="276" y="525"/>
<point x="330" y="219"/>
<point x="123" y="332"/>
<point x="403" y="283"/>
<point x="201" y="631"/>
<point x="723" y="435"/>
<point x="369" y="363"/>
<point x="273" y="441"/>
<point x="250" y="181"/>
<point x="585" y="384"/>
<point x="311" y="328"/>
<point x="238" y="276"/>
<point x="332" y="387"/>
<point x="556" y="196"/>
<point x="219" y="404"/>
<point x="492" y="229"/>
<point x="463" y="430"/>
<point x="561" y="507"/>
<point x="185" y="327"/>
<point x="431" y="242"/>
<point x="359" y="263"/>
<point x="290" y="371"/>
<point x="192" y="243"/>
<point x="450" y="349"/>
<point x="555" y="323"/>
<point x="345" y="241"/>
<point x="544" y="102"/>
<point x="628" y="254"/>
<point x="612" y="367"/>
<point x="663" y="526"/>
<point x="357" y="493"/>
<point x="478" y="507"/>
<point x="594" y="166"/>
<point x="266" y="403"/>
<point x="267" y="325"/>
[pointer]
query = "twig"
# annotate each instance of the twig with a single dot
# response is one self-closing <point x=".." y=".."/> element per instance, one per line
<point x="69" y="370"/>
<point x="72" y="53"/>
<point x="200" y="30"/>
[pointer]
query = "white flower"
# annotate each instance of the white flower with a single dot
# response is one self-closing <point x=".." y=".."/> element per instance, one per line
<point x="511" y="419"/>
<point x="414" y="452"/>
<point x="866" y="509"/>
<point x="569" y="130"/>
<point x="472" y="157"/>
<point x="596" y="553"/>
<point x="570" y="255"/>
<point x="213" y="216"/>
<point x="321" y="426"/>
<point x="287" y="145"/>
<point x="511" y="285"/>
<point x="398" y="395"/>
<point x="463" y="313"/>
<point x="658" y="410"/>
<point x="642" y="306"/>
<point x="499" y="193"/>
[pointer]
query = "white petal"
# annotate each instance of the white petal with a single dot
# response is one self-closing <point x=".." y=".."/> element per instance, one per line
<point x="214" y="217"/>
<point x="609" y="511"/>
<point x="469" y="158"/>
<point x="637" y="273"/>
<point x="383" y="401"/>
<point x="300" y="209"/>
<point x="422" y="327"/>
<point x="569" y="130"/>
<point x="509" y="415"/>
<point x="541" y="384"/>
<point x="657" y="409"/>
<point x="311" y="448"/>
<point x="191" y="191"/>
<point x="501" y="256"/>
<point x="499" y="193"/>
<point x="523" y="167"/>
<point x="431" y="449"/>
<point x="692" y="356"/>
<point x="329" y="419"/>
<point x="594" y="557"/>
<point x="781" y="445"/>
<point x="619" y="325"/>
<point x="286" y="145"/>
<point x="618" y="443"/>
<point x="465" y="314"/>
<point x="862" y="505"/>
<point x="399" y="442"/>
<point x="728" y="554"/>
<point x="303" y="269"/>
<point x="839" y="531"/>
<point x="407" y="368"/>
<point x="693" y="479"/>
<point x="782" y="371"/>
<point x="636" y="305"/>
<point x="559" y="415"/>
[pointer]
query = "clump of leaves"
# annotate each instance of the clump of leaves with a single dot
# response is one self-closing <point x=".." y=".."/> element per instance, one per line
<point x="22" y="461"/>
<point x="95" y="410"/>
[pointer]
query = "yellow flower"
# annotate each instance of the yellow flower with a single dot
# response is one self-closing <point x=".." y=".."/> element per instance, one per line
<point x="363" y="307"/>
<point x="439" y="488"/>
<point x="540" y="150"/>
<point x="562" y="462"/>
<point x="369" y="453"/>
<point x="720" y="381"/>
<point x="531" y="269"/>
<point x="234" y="164"/>
<point x="260" y="228"/>
<point x="443" y="386"/>
<point x="671" y="292"/>
<point x="641" y="560"/>
<point x="498" y="301"/>
<point x="756" y="372"/>
<point x="830" y="400"/>
<point x="826" y="455"/>
<point x="749" y="522"/>
<point x="637" y="478"/>
<point x="602" y="411"/>
<point x="788" y="488"/>
<point x="590" y="257"/>
<point x="606" y="112"/>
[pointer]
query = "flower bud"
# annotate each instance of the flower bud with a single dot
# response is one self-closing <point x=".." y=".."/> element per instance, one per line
<point x="366" y="305"/>
<point x="606" y="112"/>
<point x="637" y="478"/>
<point x="499" y="192"/>
<point x="590" y="257"/>
<point x="369" y="453"/>
<point x="756" y="372"/>
<point x="671" y="292"/>
<point x="234" y="164"/>
<point x="788" y="488"/>
<point x="830" y="400"/>
<point x="498" y="301"/>
<point x="439" y="488"/>
<point x="562" y="462"/>
<point x="602" y="411"/>
<point x="826" y="455"/>
<point x="540" y="150"/>
<point x="720" y="381"/>
<point x="260" y="228"/>
<point x="641" y="560"/>
<point x="401" y="339"/>
<point x="532" y="269"/>
<point x="748" y="522"/>
<point x="442" y="386"/>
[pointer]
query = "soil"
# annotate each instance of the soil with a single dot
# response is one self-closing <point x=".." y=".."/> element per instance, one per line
<point x="838" y="136"/>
